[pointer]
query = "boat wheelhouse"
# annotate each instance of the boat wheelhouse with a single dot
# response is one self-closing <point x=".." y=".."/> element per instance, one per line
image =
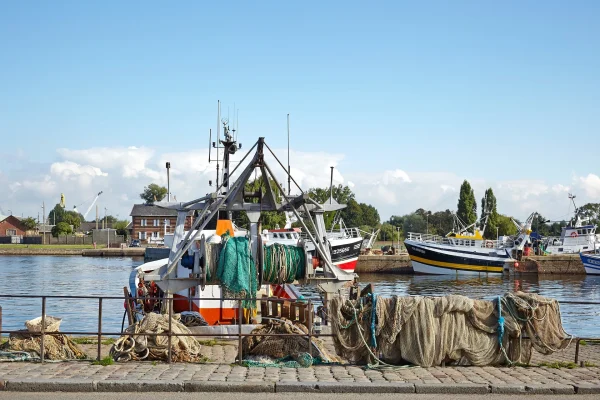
<point x="574" y="238"/>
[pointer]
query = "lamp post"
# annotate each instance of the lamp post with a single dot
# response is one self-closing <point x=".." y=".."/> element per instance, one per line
<point x="497" y="237"/>
<point x="398" y="234"/>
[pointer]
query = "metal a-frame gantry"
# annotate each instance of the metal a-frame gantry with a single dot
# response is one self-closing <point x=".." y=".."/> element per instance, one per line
<point x="232" y="198"/>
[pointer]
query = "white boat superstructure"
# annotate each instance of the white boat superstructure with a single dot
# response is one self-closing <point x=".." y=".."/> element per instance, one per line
<point x="574" y="238"/>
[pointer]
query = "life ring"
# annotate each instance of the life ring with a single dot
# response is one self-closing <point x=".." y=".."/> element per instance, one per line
<point x="574" y="234"/>
<point x="489" y="244"/>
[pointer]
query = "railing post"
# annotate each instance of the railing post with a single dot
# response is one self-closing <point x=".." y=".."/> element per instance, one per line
<point x="169" y="339"/>
<point x="240" y="355"/>
<point x="99" y="329"/>
<point x="42" y="347"/>
<point x="310" y="327"/>
<point x="576" y="350"/>
<point x="0" y="324"/>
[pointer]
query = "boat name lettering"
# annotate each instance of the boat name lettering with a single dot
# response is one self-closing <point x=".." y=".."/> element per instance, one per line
<point x="357" y="246"/>
<point x="342" y="250"/>
<point x="419" y="250"/>
<point x="595" y="262"/>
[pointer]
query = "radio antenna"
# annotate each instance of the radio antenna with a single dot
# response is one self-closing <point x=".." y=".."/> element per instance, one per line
<point x="289" y="170"/>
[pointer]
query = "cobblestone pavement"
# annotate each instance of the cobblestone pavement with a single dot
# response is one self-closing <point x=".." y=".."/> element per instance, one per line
<point x="221" y="371"/>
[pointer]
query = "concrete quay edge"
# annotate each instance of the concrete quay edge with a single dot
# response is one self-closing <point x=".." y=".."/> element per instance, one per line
<point x="82" y="385"/>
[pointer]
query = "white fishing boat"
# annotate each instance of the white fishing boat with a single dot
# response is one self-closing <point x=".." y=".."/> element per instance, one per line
<point x="189" y="274"/>
<point x="577" y="237"/>
<point x="466" y="252"/>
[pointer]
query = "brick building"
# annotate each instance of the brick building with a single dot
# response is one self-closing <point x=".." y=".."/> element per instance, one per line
<point x="150" y="223"/>
<point x="11" y="226"/>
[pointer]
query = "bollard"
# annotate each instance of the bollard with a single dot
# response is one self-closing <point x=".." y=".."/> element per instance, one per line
<point x="576" y="351"/>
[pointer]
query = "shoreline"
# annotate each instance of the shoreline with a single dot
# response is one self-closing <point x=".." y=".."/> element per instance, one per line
<point x="126" y="252"/>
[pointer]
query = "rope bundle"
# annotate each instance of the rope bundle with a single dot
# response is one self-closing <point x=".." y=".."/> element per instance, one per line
<point x="283" y="263"/>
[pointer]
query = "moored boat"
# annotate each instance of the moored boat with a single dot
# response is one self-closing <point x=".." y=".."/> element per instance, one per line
<point x="591" y="262"/>
<point x="464" y="252"/>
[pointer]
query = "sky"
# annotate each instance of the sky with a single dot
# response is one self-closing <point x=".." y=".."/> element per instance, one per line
<point x="405" y="99"/>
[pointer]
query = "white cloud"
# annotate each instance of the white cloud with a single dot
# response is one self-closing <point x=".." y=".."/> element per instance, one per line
<point x="591" y="185"/>
<point x="394" y="177"/>
<point x="122" y="173"/>
<point x="73" y="172"/>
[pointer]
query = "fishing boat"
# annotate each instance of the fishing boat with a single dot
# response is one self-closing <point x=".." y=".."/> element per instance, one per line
<point x="577" y="237"/>
<point x="466" y="252"/>
<point x="591" y="262"/>
<point x="189" y="274"/>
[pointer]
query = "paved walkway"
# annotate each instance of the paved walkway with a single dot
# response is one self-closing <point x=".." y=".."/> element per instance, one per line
<point x="136" y="376"/>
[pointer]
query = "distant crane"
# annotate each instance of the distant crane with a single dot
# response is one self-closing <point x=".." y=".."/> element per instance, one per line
<point x="89" y="208"/>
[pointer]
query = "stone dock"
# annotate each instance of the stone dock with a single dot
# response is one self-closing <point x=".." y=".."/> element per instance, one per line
<point x="222" y="375"/>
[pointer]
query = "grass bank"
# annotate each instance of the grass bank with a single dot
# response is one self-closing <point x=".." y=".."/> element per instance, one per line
<point x="50" y="246"/>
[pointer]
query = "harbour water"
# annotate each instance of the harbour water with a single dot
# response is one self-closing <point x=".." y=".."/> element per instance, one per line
<point x="89" y="276"/>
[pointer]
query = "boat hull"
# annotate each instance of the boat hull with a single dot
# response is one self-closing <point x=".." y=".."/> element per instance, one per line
<point x="446" y="260"/>
<point x="591" y="263"/>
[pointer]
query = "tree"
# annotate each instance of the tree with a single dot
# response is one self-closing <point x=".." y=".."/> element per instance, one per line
<point x="121" y="227"/>
<point x="61" y="228"/>
<point x="153" y="193"/>
<point x="414" y="223"/>
<point x="467" y="205"/>
<point x="109" y="219"/>
<point x="370" y="216"/>
<point x="56" y="215"/>
<point x="72" y="218"/>
<point x="441" y="222"/>
<point x="488" y="208"/>
<point x="29" y="223"/>
<point x="388" y="232"/>
<point x="506" y="226"/>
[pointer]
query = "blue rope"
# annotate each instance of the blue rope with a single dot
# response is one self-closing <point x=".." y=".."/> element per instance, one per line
<point x="500" y="321"/>
<point x="373" y="317"/>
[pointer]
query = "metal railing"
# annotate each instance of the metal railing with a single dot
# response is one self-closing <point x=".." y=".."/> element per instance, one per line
<point x="240" y="317"/>
<point x="99" y="332"/>
<point x="429" y="238"/>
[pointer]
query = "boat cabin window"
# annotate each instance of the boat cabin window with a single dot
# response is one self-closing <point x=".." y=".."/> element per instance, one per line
<point x="560" y="249"/>
<point x="288" y="235"/>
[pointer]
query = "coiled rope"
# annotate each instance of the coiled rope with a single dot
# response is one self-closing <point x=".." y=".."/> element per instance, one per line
<point x="283" y="263"/>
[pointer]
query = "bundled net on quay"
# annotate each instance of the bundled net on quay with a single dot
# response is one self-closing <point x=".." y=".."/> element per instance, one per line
<point x="284" y="351"/>
<point x="136" y="344"/>
<point x="429" y="331"/>
<point x="26" y="345"/>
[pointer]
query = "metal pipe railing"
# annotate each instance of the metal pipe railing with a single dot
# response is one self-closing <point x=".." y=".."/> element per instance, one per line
<point x="99" y="333"/>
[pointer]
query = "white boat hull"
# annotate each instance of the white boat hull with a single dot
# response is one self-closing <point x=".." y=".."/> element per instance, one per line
<point x="424" y="269"/>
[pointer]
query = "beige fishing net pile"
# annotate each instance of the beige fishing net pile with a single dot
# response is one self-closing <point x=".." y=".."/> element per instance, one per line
<point x="138" y="345"/>
<point x="56" y="347"/>
<point x="277" y="347"/>
<point x="429" y="331"/>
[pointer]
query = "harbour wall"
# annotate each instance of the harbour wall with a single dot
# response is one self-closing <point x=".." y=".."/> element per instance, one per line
<point x="126" y="252"/>
<point x="375" y="264"/>
<point x="547" y="265"/>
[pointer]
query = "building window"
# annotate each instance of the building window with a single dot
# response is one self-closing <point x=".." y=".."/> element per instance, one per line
<point x="155" y="235"/>
<point x="11" y="232"/>
<point x="142" y="235"/>
<point x="157" y="222"/>
<point x="143" y="222"/>
<point x="167" y="222"/>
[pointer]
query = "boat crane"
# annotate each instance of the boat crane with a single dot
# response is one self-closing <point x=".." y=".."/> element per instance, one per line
<point x="229" y="197"/>
<point x="90" y="207"/>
